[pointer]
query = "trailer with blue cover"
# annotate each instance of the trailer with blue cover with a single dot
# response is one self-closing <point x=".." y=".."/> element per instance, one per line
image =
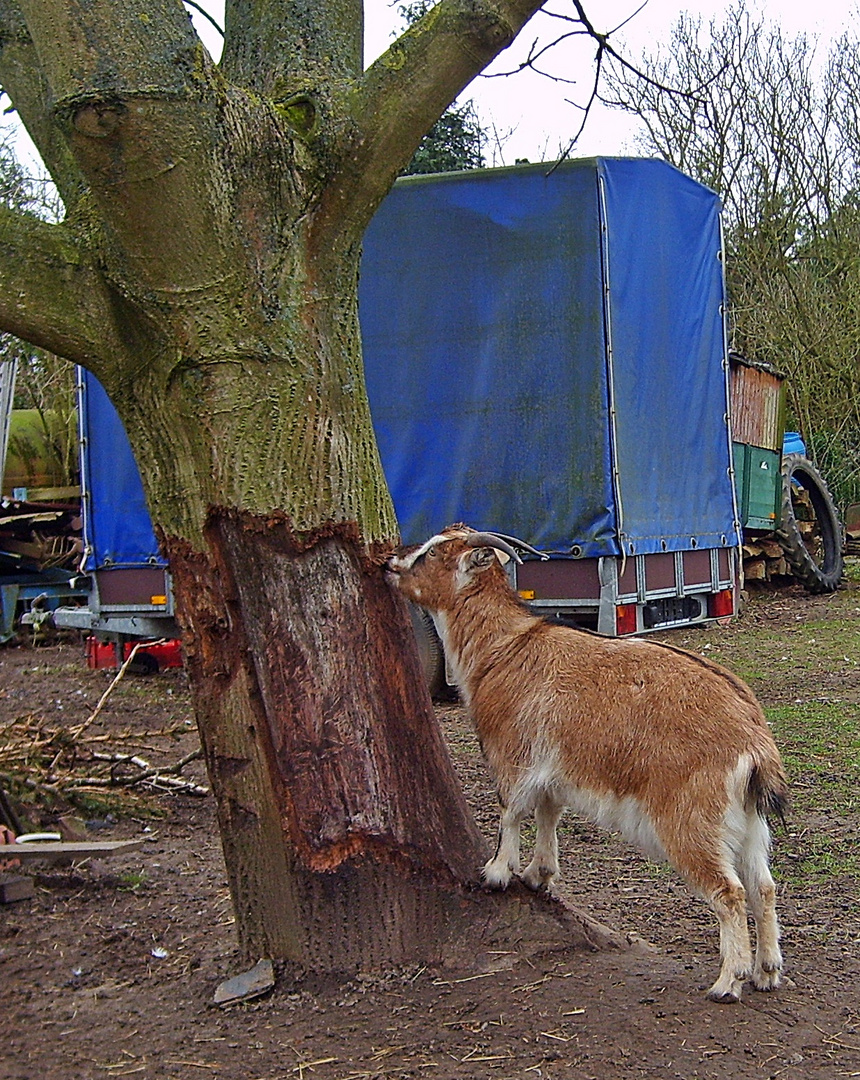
<point x="126" y="578"/>
<point x="545" y="355"/>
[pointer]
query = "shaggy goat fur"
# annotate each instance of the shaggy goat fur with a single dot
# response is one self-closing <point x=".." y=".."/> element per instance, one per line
<point x="669" y="749"/>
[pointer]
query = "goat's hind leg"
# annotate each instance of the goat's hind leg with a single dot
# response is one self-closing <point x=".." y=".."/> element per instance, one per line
<point x="543" y="868"/>
<point x="729" y="904"/>
<point x="722" y="888"/>
<point x="754" y="870"/>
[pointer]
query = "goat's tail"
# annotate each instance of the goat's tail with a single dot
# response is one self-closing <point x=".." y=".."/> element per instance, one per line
<point x="767" y="789"/>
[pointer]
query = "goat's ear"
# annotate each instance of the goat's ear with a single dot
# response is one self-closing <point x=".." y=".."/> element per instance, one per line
<point x="479" y="559"/>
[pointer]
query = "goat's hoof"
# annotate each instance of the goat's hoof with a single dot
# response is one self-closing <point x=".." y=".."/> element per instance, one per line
<point x="728" y="988"/>
<point x="765" y="980"/>
<point x="495" y="879"/>
<point x="538" y="880"/>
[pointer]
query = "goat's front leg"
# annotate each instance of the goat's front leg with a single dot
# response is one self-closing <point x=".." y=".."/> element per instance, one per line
<point x="506" y="861"/>
<point x="543" y="868"/>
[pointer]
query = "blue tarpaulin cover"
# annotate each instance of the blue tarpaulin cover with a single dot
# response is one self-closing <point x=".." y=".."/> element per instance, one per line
<point x="117" y="527"/>
<point x="544" y="354"/>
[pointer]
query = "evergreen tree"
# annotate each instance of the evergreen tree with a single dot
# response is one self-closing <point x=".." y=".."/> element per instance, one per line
<point x="455" y="141"/>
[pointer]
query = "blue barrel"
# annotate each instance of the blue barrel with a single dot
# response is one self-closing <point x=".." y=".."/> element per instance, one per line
<point x="793" y="444"/>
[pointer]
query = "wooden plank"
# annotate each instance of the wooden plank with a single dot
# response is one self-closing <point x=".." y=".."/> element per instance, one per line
<point x="52" y="851"/>
<point x="757" y="407"/>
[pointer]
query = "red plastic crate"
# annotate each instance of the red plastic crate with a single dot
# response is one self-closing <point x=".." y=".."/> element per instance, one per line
<point x="165" y="654"/>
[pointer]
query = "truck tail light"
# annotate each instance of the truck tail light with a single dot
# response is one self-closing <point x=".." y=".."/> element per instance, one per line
<point x="625" y="619"/>
<point x="721" y="604"/>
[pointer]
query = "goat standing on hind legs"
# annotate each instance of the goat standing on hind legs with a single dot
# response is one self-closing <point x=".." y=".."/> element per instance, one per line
<point x="667" y="748"/>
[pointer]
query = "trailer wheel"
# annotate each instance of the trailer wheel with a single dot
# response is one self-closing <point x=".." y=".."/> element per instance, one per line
<point x="431" y="653"/>
<point x="809" y="530"/>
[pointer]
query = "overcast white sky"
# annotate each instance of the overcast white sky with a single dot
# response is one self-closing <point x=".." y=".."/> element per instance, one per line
<point x="536" y="109"/>
<point x="533" y="112"/>
<point x="530" y="113"/>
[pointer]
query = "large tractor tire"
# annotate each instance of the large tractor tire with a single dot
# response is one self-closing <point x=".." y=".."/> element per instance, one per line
<point x="809" y="530"/>
<point x="431" y="654"/>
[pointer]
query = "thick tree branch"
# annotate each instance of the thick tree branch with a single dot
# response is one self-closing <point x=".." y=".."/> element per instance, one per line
<point x="22" y="79"/>
<point x="51" y="295"/>
<point x="139" y="102"/>
<point x="411" y="84"/>
<point x="279" y="49"/>
<point x="98" y="50"/>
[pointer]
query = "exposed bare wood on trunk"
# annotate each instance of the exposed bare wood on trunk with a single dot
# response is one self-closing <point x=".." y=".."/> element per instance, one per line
<point x="363" y="784"/>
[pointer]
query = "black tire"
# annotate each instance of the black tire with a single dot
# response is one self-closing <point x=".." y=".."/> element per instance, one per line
<point x="431" y="653"/>
<point x="814" y="555"/>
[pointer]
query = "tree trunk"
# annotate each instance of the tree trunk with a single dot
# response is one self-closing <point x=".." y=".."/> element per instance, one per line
<point x="345" y="833"/>
<point x="206" y="273"/>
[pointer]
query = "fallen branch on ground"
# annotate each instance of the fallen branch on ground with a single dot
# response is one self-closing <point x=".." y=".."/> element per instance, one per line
<point x="59" y="763"/>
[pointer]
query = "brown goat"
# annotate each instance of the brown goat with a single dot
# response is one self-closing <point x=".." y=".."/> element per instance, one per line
<point x="669" y="749"/>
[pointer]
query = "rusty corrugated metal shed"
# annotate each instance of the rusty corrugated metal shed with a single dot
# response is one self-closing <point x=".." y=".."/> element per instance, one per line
<point x="758" y="403"/>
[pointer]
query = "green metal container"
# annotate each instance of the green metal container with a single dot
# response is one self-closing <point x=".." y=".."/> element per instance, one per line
<point x="758" y="485"/>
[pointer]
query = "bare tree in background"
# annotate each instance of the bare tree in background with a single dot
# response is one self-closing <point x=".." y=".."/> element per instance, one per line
<point x="771" y="125"/>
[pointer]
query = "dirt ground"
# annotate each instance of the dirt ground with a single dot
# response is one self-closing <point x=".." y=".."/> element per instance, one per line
<point x="110" y="969"/>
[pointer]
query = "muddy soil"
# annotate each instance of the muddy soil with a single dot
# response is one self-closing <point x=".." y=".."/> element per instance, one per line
<point x="110" y="969"/>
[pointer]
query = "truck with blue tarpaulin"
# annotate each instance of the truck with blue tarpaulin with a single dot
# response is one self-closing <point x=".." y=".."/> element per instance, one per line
<point x="125" y="577"/>
<point x="545" y="354"/>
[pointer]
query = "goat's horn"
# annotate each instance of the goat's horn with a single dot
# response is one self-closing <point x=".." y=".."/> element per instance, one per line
<point x="522" y="544"/>
<point x="500" y="543"/>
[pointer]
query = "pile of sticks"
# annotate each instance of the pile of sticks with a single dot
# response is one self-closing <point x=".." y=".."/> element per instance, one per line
<point x="56" y="764"/>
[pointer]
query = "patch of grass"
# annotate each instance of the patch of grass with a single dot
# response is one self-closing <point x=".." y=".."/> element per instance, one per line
<point x="829" y="646"/>
<point x="131" y="881"/>
<point x="820" y="744"/>
<point x="852" y="569"/>
<point x="815" y="646"/>
<point x="824" y="736"/>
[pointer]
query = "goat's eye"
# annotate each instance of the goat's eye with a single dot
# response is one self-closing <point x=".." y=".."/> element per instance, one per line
<point x="431" y="552"/>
